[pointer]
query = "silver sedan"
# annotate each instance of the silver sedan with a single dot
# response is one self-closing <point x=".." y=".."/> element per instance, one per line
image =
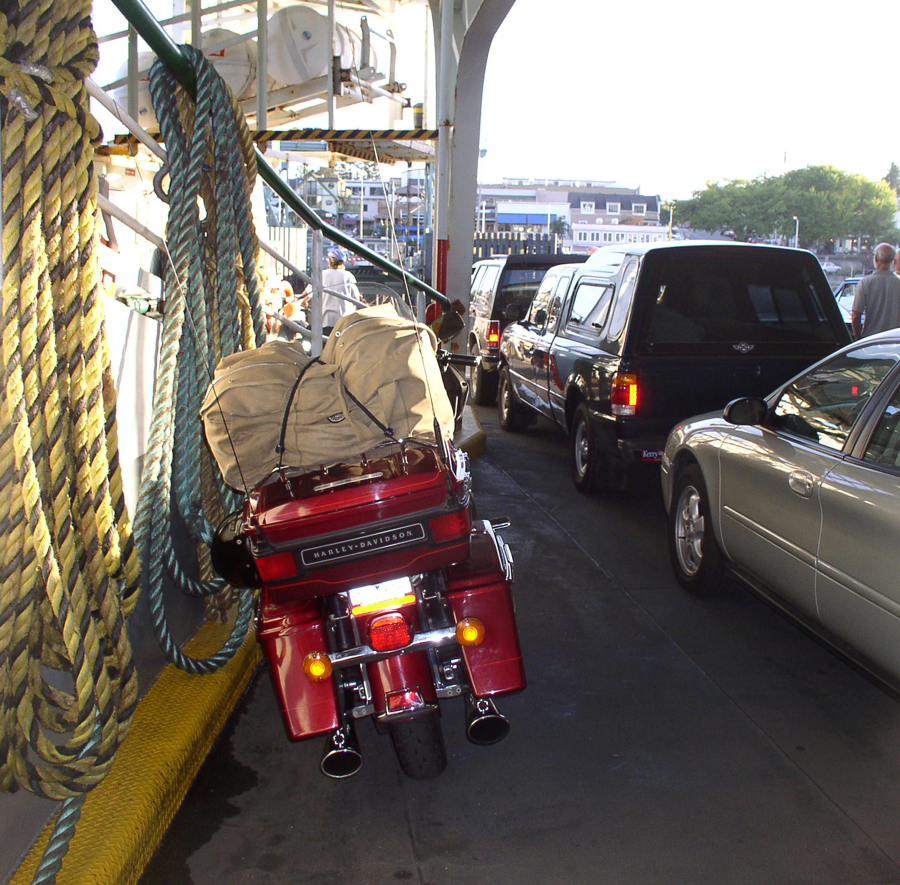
<point x="799" y="496"/>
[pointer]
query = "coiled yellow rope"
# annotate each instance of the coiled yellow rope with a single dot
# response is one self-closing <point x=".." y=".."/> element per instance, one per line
<point x="69" y="570"/>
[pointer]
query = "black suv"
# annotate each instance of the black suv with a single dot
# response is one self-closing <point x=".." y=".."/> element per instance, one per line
<point x="644" y="336"/>
<point x="502" y="289"/>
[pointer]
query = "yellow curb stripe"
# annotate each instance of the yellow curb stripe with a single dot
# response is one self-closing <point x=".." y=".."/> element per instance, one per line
<point x="125" y="816"/>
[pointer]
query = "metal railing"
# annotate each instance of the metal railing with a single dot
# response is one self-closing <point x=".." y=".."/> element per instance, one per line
<point x="170" y="54"/>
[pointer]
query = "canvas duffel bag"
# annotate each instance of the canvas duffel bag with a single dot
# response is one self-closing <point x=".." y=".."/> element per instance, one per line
<point x="388" y="362"/>
<point x="273" y="408"/>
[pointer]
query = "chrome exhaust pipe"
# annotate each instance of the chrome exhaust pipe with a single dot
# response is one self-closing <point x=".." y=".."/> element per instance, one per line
<point x="484" y="723"/>
<point x="342" y="757"/>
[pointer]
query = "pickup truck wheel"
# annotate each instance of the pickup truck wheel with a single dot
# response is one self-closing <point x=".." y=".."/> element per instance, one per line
<point x="593" y="470"/>
<point x="508" y="407"/>
<point x="693" y="549"/>
<point x="584" y="450"/>
<point x="483" y="387"/>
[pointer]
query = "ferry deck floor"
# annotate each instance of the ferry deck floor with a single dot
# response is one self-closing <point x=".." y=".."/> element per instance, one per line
<point x="662" y="739"/>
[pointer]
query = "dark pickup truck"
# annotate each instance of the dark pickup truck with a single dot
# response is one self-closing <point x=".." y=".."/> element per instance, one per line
<point x="620" y="349"/>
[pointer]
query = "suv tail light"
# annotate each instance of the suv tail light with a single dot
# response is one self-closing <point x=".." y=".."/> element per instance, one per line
<point x="624" y="396"/>
<point x="493" y="338"/>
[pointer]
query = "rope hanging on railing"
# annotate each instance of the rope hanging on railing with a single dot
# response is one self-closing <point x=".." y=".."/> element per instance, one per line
<point x="69" y="571"/>
<point x="213" y="308"/>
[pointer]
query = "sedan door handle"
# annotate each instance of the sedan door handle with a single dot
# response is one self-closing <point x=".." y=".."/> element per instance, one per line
<point x="801" y="483"/>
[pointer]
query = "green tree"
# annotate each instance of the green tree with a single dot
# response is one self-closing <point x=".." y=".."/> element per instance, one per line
<point x="749" y="208"/>
<point x="364" y="170"/>
<point x="893" y="178"/>
<point x="559" y="226"/>
<point x="830" y="204"/>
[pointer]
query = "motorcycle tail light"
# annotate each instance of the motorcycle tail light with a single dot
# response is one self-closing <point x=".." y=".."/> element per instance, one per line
<point x="450" y="526"/>
<point x="624" y="397"/>
<point x="277" y="567"/>
<point x="317" y="666"/>
<point x="404" y="700"/>
<point x="493" y="337"/>
<point x="390" y="631"/>
<point x="470" y="631"/>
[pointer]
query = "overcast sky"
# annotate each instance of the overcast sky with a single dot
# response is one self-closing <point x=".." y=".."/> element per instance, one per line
<point x="669" y="95"/>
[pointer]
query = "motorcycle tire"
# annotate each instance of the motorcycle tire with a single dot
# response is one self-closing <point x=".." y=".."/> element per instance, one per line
<point x="419" y="745"/>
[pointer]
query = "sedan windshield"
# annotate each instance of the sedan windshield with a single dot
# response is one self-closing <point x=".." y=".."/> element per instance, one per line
<point x="823" y="404"/>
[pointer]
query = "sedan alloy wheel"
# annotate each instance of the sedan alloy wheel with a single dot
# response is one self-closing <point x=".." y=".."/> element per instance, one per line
<point x="693" y="549"/>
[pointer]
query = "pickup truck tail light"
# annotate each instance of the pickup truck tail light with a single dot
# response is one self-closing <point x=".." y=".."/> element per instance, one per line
<point x="624" y="396"/>
<point x="493" y="338"/>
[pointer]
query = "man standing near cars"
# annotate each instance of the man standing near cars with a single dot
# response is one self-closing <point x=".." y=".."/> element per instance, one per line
<point x="877" y="296"/>
<point x="336" y="278"/>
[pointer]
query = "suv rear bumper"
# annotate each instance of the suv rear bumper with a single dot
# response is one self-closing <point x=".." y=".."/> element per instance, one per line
<point x="648" y="450"/>
<point x="490" y="361"/>
<point x="619" y="437"/>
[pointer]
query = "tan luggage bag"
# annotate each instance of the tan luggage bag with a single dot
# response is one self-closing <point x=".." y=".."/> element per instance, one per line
<point x="389" y="362"/>
<point x="275" y="409"/>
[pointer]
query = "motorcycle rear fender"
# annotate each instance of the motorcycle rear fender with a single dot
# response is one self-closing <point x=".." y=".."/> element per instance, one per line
<point x="398" y="673"/>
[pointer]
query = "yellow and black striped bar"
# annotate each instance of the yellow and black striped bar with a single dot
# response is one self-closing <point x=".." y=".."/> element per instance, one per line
<point x="384" y="145"/>
<point x="267" y="135"/>
<point x="346" y="135"/>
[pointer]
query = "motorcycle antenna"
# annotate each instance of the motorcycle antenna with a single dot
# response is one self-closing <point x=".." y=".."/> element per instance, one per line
<point x="441" y="442"/>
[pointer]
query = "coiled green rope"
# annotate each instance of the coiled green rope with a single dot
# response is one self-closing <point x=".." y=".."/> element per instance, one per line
<point x="212" y="310"/>
<point x="69" y="568"/>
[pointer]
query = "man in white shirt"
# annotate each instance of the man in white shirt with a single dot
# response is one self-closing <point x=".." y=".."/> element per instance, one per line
<point x="336" y="277"/>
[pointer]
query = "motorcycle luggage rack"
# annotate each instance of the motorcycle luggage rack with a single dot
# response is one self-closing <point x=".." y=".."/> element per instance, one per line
<point x="370" y="467"/>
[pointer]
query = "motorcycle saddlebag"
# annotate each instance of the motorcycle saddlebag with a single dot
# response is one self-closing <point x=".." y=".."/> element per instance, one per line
<point x="481" y="587"/>
<point x="356" y="524"/>
<point x="288" y="634"/>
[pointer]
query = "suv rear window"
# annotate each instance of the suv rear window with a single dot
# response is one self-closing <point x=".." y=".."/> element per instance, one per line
<point x="715" y="300"/>
<point x="517" y="287"/>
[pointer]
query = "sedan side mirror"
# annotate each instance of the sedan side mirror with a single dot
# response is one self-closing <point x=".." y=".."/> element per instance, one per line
<point x="747" y="410"/>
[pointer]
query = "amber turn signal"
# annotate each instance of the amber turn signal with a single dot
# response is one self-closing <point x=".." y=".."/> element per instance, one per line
<point x="317" y="666"/>
<point x="470" y="631"/>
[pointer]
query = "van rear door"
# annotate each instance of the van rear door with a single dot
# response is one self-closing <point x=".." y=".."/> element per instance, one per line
<point x="710" y="324"/>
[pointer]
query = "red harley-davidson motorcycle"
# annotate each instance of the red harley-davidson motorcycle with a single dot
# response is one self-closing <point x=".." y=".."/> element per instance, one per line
<point x="381" y="594"/>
